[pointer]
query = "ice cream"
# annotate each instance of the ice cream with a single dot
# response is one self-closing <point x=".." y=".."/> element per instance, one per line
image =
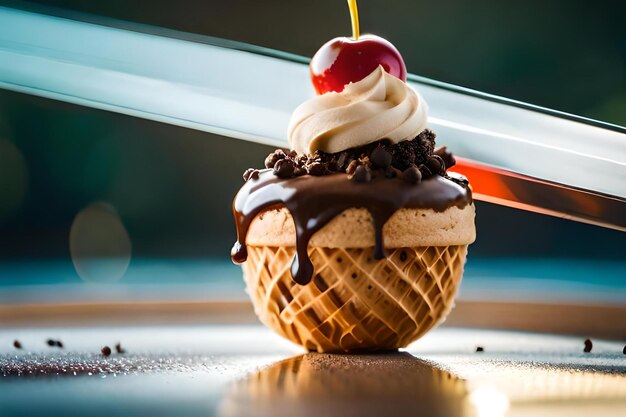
<point x="379" y="106"/>
<point x="356" y="237"/>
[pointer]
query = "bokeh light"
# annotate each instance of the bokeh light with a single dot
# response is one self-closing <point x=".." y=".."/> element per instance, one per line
<point x="489" y="402"/>
<point x="99" y="244"/>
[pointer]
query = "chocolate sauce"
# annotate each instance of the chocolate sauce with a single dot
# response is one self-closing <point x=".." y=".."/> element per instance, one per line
<point x="315" y="201"/>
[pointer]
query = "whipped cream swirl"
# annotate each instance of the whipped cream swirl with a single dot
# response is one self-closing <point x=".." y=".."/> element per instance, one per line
<point x="380" y="106"/>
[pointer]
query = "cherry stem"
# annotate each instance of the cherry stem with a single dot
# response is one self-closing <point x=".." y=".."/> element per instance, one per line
<point x="354" y="16"/>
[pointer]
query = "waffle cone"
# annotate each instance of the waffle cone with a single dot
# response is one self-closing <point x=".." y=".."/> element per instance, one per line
<point x="355" y="302"/>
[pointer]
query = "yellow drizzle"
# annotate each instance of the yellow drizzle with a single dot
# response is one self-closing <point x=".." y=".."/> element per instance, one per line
<point x="354" y="16"/>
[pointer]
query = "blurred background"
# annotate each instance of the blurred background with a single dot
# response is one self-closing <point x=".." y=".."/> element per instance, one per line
<point x="143" y="210"/>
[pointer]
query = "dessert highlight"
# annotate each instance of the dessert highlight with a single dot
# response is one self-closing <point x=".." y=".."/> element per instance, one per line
<point x="356" y="237"/>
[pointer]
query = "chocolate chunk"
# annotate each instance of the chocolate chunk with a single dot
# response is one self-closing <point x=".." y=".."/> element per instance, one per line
<point x="332" y="166"/>
<point x="17" y="344"/>
<point x="435" y="165"/>
<point x="316" y="157"/>
<point x="298" y="171"/>
<point x="391" y="172"/>
<point x="480" y="349"/>
<point x="412" y="175"/>
<point x="426" y="140"/>
<point x="362" y="174"/>
<point x="251" y="173"/>
<point x="343" y="160"/>
<point x="588" y="346"/>
<point x="426" y="173"/>
<point x="284" y="168"/>
<point x="352" y="167"/>
<point x="119" y="349"/>
<point x="380" y="157"/>
<point x="274" y="157"/>
<point x="270" y="161"/>
<point x="404" y="157"/>
<point x="447" y="157"/>
<point x="316" y="168"/>
<point x="106" y="351"/>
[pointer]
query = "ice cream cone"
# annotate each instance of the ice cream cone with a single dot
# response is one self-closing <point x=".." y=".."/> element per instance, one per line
<point x="356" y="302"/>
<point x="355" y="238"/>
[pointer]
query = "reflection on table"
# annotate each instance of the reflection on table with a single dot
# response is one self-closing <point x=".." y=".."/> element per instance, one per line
<point x="246" y="370"/>
<point x="318" y="384"/>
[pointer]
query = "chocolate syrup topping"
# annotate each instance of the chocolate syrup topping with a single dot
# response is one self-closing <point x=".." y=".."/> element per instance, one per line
<point x="314" y="201"/>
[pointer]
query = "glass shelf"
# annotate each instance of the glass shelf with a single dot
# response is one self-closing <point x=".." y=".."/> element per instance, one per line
<point x="248" y="92"/>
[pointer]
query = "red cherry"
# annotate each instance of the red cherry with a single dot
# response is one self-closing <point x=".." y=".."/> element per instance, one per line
<point x="344" y="60"/>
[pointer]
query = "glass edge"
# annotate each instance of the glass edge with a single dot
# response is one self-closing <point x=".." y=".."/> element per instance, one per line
<point x="295" y="58"/>
<point x="516" y="103"/>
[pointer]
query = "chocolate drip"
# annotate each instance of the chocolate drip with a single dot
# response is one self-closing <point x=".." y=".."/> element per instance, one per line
<point x="315" y="201"/>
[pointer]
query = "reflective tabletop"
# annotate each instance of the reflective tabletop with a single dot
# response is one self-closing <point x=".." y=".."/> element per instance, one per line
<point x="245" y="370"/>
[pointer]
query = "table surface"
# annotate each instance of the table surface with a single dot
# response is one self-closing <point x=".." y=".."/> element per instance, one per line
<point x="246" y="370"/>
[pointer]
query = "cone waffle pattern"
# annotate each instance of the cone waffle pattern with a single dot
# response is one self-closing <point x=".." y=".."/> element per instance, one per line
<point x="355" y="302"/>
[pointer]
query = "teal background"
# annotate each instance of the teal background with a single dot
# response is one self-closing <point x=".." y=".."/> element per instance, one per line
<point x="172" y="187"/>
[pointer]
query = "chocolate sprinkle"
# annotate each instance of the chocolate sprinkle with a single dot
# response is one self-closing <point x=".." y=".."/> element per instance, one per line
<point x="343" y="160"/>
<point x="588" y="346"/>
<point x="251" y="173"/>
<point x="426" y="172"/>
<point x="53" y="343"/>
<point x="352" y="167"/>
<point x="285" y="168"/>
<point x="316" y="169"/>
<point x="446" y="157"/>
<point x="274" y="157"/>
<point x="412" y="175"/>
<point x="362" y="174"/>
<point x="436" y="165"/>
<point x="391" y="172"/>
<point x="378" y="155"/>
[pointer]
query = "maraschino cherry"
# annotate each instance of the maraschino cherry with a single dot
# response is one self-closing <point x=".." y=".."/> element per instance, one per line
<point x="343" y="60"/>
